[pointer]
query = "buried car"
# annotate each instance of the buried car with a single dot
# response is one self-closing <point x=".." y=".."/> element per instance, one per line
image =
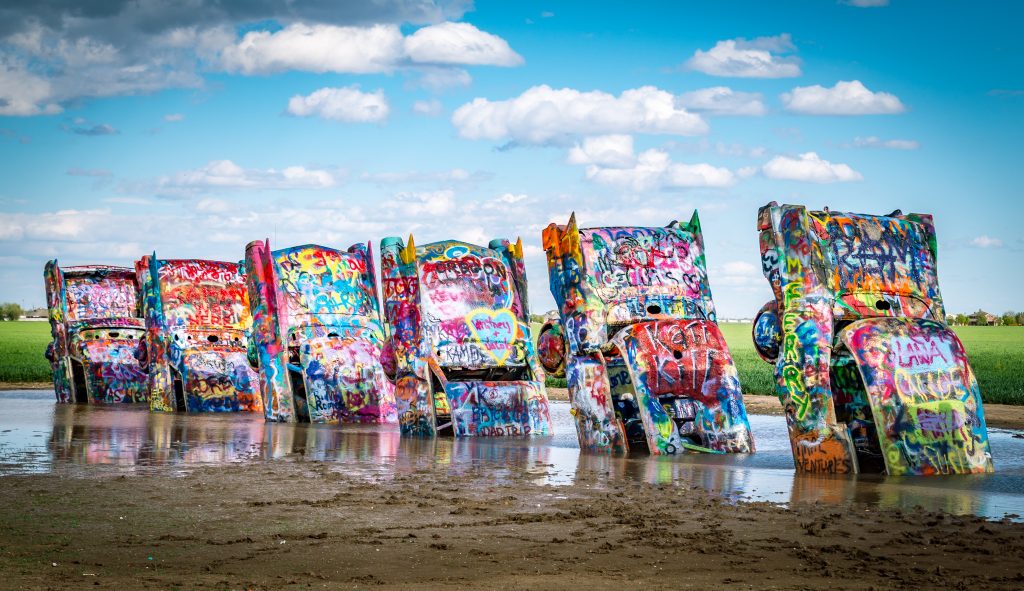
<point x="460" y="351"/>
<point x="317" y="334"/>
<point x="647" y="366"/>
<point x="870" y="376"/>
<point x="97" y="333"/>
<point x="197" y="324"/>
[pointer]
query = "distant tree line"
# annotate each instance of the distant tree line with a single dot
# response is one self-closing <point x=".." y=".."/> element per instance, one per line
<point x="983" y="318"/>
<point x="10" y="311"/>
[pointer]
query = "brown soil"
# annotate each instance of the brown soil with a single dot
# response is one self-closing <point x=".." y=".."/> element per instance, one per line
<point x="298" y="525"/>
<point x="26" y="386"/>
<point x="1006" y="416"/>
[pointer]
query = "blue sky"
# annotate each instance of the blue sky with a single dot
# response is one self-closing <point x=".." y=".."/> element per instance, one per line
<point x="130" y="127"/>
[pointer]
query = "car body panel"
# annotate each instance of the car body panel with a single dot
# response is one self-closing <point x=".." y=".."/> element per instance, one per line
<point x="551" y="347"/>
<point x="590" y="396"/>
<point x="97" y="334"/>
<point x="318" y="334"/>
<point x="688" y="358"/>
<point x="460" y="353"/>
<point x="496" y="409"/>
<point x="832" y="272"/>
<point x="198" y="323"/>
<point x="620" y="291"/>
<point x="922" y="394"/>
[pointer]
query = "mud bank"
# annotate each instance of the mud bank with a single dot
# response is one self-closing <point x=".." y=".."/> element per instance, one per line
<point x="4" y="386"/>
<point x="300" y="524"/>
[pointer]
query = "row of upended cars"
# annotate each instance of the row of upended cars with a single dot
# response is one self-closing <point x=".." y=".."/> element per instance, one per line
<point x="869" y="376"/>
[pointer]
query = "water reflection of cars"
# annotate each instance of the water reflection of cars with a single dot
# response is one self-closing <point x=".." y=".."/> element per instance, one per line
<point x="871" y="377"/>
<point x="648" y="368"/>
<point x="81" y="436"/>
<point x="460" y="351"/>
<point x="197" y="331"/>
<point x="317" y="334"/>
<point x="97" y="330"/>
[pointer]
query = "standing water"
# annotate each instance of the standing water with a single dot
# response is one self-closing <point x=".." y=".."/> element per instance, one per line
<point x="39" y="436"/>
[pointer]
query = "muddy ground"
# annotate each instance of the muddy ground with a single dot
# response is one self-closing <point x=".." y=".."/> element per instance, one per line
<point x="297" y="525"/>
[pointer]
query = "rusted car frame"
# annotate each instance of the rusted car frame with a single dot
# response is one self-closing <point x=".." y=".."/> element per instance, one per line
<point x="317" y="334"/>
<point x="197" y="330"/>
<point x="460" y="351"/>
<point x="870" y="376"/>
<point x="97" y="331"/>
<point x="648" y="368"/>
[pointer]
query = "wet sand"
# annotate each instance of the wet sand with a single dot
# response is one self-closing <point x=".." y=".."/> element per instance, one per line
<point x="130" y="499"/>
<point x="25" y="386"/>
<point x="299" y="525"/>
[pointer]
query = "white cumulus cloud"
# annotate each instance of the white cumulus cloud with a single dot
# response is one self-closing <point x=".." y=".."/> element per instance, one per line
<point x="364" y="49"/>
<point x="450" y="177"/>
<point x="225" y="174"/>
<point x="213" y="205"/>
<point x="509" y="198"/>
<point x="436" y="78"/>
<point x="459" y="44"/>
<point x="610" y="151"/>
<point x="757" y="58"/>
<point x="610" y="161"/>
<point x="872" y="141"/>
<point x="543" y="114"/>
<point x="348" y="104"/>
<point x="431" y="108"/>
<point x="845" y="98"/>
<point x="316" y="48"/>
<point x="985" y="241"/>
<point x="809" y="167"/>
<point x="430" y="203"/>
<point x="23" y="93"/>
<point x="721" y="100"/>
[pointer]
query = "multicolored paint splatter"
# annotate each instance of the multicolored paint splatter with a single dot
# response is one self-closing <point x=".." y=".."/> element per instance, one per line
<point x="646" y="363"/>
<point x="870" y="376"/>
<point x="317" y="334"/>
<point x="97" y="334"/>
<point x="460" y="352"/>
<point x="197" y="323"/>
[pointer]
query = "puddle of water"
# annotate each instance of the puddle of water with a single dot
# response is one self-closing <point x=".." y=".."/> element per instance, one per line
<point x="39" y="436"/>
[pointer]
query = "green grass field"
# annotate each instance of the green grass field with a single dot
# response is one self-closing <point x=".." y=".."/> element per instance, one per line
<point x="22" y="345"/>
<point x="996" y="353"/>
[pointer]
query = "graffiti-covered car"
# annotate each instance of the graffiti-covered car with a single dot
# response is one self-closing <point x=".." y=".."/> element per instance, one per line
<point x="317" y="334"/>
<point x="870" y="376"/>
<point x="646" y="364"/>
<point x="460" y="351"/>
<point x="97" y="331"/>
<point x="197" y="325"/>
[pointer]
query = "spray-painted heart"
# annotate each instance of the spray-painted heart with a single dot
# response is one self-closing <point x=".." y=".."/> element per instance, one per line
<point x="494" y="329"/>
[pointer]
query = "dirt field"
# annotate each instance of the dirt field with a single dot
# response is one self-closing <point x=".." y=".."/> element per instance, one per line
<point x="308" y="525"/>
